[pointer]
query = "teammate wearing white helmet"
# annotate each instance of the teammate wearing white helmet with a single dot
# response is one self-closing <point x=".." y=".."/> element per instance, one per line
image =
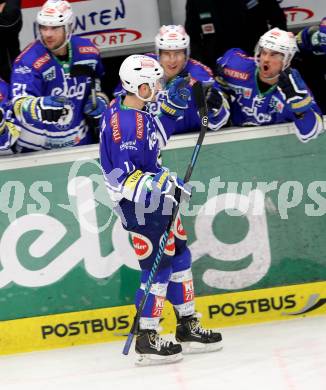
<point x="55" y="25"/>
<point x="55" y="84"/>
<point x="144" y="193"/>
<point x="274" y="53"/>
<point x="172" y="48"/>
<point x="172" y="51"/>
<point x="265" y="90"/>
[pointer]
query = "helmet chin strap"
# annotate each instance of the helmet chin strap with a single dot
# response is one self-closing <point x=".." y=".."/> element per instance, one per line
<point x="272" y="78"/>
<point x="149" y="99"/>
<point x="60" y="47"/>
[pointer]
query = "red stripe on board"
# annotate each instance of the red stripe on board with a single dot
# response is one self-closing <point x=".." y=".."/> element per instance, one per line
<point x="38" y="3"/>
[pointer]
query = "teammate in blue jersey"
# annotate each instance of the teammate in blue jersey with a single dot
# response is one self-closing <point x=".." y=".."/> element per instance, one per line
<point x="9" y="130"/>
<point x="265" y="90"/>
<point x="313" y="38"/>
<point x="144" y="194"/>
<point x="312" y="47"/>
<point x="172" y="51"/>
<point x="51" y="84"/>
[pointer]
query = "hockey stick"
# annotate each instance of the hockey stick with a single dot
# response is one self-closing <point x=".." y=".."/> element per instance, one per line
<point x="88" y="71"/>
<point x="201" y="104"/>
<point x="85" y="70"/>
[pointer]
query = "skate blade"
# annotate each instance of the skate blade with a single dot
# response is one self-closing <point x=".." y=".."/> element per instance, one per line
<point x="152" y="360"/>
<point x="194" y="347"/>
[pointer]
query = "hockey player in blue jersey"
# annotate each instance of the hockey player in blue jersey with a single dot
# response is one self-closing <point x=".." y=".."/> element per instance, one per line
<point x="9" y="131"/>
<point x="144" y="194"/>
<point x="313" y="38"/>
<point x="51" y="100"/>
<point x="172" y="51"/>
<point x="265" y="90"/>
<point x="312" y="55"/>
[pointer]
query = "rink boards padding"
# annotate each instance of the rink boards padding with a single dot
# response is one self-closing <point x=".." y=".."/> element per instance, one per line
<point x="218" y="311"/>
<point x="255" y="224"/>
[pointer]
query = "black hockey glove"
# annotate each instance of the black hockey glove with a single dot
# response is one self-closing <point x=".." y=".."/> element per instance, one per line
<point x="294" y="91"/>
<point x="48" y="109"/>
<point x="214" y="100"/>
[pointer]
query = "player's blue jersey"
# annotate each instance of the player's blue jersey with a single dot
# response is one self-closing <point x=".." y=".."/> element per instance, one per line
<point x="249" y="106"/>
<point x="310" y="39"/>
<point x="10" y="130"/>
<point x="4" y="91"/>
<point x="190" y="120"/>
<point x="129" y="144"/>
<point x="38" y="73"/>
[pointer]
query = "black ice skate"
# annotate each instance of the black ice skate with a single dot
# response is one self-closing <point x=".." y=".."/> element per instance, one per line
<point x="194" y="338"/>
<point x="152" y="349"/>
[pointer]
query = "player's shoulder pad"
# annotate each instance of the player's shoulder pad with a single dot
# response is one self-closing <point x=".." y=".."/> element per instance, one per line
<point x="119" y="90"/>
<point x="84" y="47"/>
<point x="199" y="71"/>
<point x="34" y="56"/>
<point x="125" y="124"/>
<point x="236" y="64"/>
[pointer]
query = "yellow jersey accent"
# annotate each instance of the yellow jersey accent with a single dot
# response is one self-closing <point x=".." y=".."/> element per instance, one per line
<point x="133" y="179"/>
<point x="168" y="109"/>
<point x="302" y="103"/>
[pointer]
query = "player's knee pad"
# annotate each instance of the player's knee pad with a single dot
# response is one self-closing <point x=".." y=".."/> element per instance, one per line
<point x="163" y="275"/>
<point x="182" y="261"/>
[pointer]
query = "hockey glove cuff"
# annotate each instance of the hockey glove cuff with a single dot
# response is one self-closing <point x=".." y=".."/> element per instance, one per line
<point x="2" y="120"/>
<point x="48" y="109"/>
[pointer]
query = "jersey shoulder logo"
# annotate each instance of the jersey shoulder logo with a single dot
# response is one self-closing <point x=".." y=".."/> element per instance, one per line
<point x="236" y="74"/>
<point x="115" y="126"/>
<point x="139" y="126"/>
<point x="41" y="61"/>
<point x="88" y="50"/>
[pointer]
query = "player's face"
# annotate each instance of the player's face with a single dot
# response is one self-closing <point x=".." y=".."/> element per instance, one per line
<point x="270" y="65"/>
<point x="53" y="37"/>
<point x="172" y="61"/>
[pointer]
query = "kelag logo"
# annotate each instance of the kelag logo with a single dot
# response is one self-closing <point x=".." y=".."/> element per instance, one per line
<point x="297" y="14"/>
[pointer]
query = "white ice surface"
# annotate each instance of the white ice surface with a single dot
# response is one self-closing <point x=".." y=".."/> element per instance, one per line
<point x="287" y="355"/>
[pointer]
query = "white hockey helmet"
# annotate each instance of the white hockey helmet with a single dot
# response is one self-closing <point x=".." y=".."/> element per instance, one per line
<point x="139" y="69"/>
<point x="280" y="41"/>
<point x="56" y="13"/>
<point x="172" y="37"/>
